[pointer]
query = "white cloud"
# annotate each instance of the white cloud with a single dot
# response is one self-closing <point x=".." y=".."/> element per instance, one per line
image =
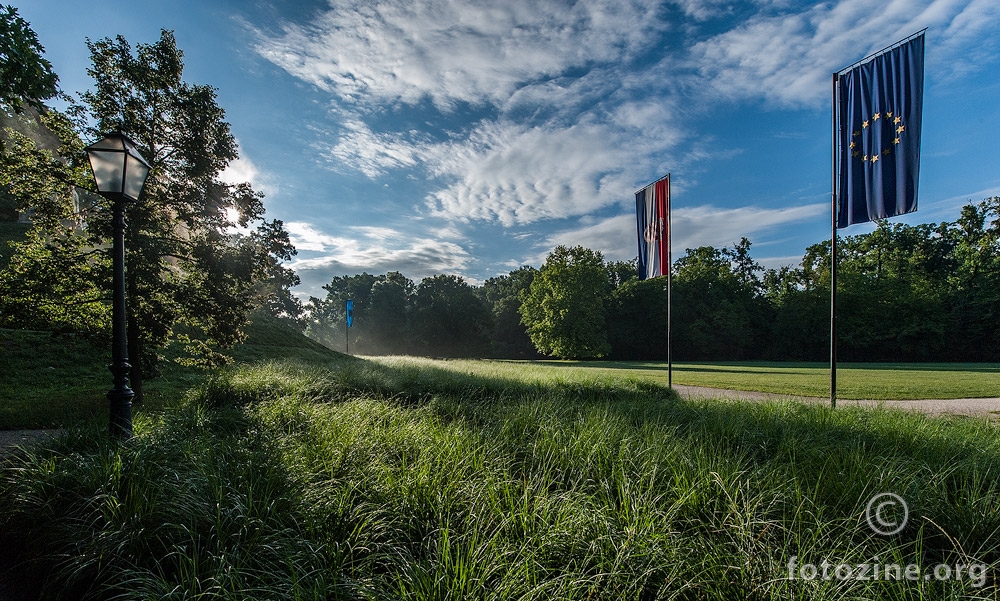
<point x="243" y="170"/>
<point x="370" y="153"/>
<point x="450" y="50"/>
<point x="514" y="173"/>
<point x="692" y="227"/>
<point x="373" y="249"/>
<point x="703" y="10"/>
<point x="788" y="57"/>
<point x="517" y="174"/>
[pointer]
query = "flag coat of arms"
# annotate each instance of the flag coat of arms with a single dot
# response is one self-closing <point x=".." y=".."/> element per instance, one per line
<point x="879" y="114"/>
<point x="652" y="209"/>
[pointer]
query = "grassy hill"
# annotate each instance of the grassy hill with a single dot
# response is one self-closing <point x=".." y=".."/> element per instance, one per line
<point x="60" y="380"/>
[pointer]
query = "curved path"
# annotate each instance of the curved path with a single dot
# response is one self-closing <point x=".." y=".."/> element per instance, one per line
<point x="978" y="407"/>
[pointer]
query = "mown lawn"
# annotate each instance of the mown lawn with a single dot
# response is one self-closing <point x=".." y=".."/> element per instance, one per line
<point x="878" y="381"/>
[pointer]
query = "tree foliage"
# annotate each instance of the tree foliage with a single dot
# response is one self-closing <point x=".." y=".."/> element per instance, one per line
<point x="189" y="275"/>
<point x="505" y="294"/>
<point x="449" y="319"/>
<point x="564" y="310"/>
<point x="27" y="77"/>
<point x="185" y="264"/>
<point x="929" y="292"/>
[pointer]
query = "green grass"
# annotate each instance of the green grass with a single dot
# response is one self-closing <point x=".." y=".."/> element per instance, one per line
<point x="56" y="381"/>
<point x="414" y="479"/>
<point x="878" y="381"/>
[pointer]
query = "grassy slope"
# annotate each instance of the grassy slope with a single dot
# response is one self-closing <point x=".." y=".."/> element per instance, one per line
<point x="57" y="381"/>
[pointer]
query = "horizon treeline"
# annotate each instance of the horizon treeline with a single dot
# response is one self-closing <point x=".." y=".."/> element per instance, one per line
<point x="928" y="292"/>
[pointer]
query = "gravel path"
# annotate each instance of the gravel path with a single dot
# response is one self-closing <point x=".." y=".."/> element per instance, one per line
<point x="11" y="438"/>
<point x="978" y="407"/>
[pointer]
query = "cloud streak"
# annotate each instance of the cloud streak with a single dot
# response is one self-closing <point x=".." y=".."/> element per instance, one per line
<point x="692" y="227"/>
<point x="786" y="56"/>
<point x="373" y="249"/>
<point x="450" y="51"/>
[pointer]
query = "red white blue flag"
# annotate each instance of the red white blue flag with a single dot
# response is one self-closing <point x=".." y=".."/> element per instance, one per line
<point x="652" y="209"/>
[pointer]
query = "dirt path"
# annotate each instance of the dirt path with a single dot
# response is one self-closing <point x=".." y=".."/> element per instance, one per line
<point x="11" y="438"/>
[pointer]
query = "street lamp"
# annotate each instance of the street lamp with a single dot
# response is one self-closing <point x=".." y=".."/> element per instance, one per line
<point x="120" y="172"/>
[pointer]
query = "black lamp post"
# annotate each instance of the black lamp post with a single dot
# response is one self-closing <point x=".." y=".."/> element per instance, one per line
<point x="120" y="172"/>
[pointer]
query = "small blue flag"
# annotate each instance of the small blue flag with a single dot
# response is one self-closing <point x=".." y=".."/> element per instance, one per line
<point x="350" y="313"/>
<point x="880" y="107"/>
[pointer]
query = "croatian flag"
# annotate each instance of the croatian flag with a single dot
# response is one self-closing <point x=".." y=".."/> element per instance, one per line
<point x="652" y="209"/>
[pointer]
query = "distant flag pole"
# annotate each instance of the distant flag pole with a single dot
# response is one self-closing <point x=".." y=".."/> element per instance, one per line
<point x="652" y="210"/>
<point x="877" y="111"/>
<point x="350" y="322"/>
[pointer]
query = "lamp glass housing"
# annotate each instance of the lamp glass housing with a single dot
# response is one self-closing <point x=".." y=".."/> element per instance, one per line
<point x="120" y="171"/>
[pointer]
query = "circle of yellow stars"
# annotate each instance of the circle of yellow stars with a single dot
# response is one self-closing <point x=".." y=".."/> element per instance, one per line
<point x="897" y="124"/>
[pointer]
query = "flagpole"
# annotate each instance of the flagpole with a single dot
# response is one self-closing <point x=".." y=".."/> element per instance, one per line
<point x="669" y="266"/>
<point x="833" y="255"/>
<point x="670" y="277"/>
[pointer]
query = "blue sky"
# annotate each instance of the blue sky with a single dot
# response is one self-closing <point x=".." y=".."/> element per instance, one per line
<point x="470" y="138"/>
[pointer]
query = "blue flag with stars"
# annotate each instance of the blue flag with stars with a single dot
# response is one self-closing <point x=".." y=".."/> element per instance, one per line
<point x="880" y="107"/>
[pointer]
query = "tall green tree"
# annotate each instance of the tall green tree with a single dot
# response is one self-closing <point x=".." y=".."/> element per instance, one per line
<point x="184" y="263"/>
<point x="26" y="75"/>
<point x="718" y="304"/>
<point x="974" y="304"/>
<point x="449" y="319"/>
<point x="637" y="320"/>
<point x="564" y="310"/>
<point x="189" y="275"/>
<point x="505" y="294"/>
<point x="326" y="318"/>
<point x="382" y="307"/>
<point x="391" y="298"/>
<point x="54" y="280"/>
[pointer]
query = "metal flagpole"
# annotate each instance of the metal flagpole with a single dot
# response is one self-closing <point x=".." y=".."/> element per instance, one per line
<point x="668" y="259"/>
<point x="670" y="276"/>
<point x="833" y="256"/>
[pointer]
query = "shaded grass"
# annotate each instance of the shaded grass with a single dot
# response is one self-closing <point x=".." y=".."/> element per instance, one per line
<point x="404" y="479"/>
<point x="61" y="380"/>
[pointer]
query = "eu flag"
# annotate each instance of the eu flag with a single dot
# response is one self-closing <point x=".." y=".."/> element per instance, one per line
<point x="350" y="313"/>
<point x="880" y="106"/>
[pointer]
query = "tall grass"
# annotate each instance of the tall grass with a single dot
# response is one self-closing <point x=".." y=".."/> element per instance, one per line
<point x="402" y="480"/>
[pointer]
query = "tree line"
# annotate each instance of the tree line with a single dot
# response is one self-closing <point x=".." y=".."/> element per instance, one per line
<point x="928" y="292"/>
